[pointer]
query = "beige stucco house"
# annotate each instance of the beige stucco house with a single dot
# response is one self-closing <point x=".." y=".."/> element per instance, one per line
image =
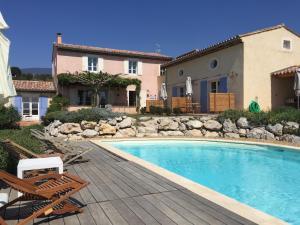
<point x="69" y="58"/>
<point x="253" y="66"/>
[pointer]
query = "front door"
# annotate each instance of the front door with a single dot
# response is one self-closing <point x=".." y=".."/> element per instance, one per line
<point x="30" y="108"/>
<point x="132" y="98"/>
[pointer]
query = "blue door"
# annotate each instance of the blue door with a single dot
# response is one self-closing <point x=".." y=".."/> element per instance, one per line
<point x="223" y="85"/>
<point x="203" y="96"/>
<point x="18" y="104"/>
<point x="174" y="91"/>
<point x="43" y="106"/>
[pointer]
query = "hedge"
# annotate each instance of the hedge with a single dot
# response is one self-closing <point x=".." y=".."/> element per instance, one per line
<point x="9" y="117"/>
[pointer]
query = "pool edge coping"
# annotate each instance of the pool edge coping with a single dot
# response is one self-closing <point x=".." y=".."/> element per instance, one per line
<point x="218" y="198"/>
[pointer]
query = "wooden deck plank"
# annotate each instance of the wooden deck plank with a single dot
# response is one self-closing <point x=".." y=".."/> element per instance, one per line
<point x="122" y="192"/>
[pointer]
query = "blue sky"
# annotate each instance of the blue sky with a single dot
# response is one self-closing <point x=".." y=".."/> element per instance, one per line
<point x="177" y="26"/>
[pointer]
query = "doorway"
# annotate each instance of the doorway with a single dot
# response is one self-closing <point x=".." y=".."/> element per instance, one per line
<point x="132" y="98"/>
<point x="30" y="108"/>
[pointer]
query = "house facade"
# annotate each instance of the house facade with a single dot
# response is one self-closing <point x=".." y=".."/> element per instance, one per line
<point x="243" y="65"/>
<point x="33" y="98"/>
<point x="69" y="58"/>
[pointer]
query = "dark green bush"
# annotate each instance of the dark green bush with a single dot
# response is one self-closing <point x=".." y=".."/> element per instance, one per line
<point x="177" y="111"/>
<point x="9" y="117"/>
<point x="263" y="118"/>
<point x="167" y="111"/>
<point x="143" y="110"/>
<point x="156" y="110"/>
<point x="58" y="103"/>
<point x="92" y="114"/>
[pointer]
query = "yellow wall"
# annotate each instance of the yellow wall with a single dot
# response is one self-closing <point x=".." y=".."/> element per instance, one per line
<point x="263" y="54"/>
<point x="230" y="62"/>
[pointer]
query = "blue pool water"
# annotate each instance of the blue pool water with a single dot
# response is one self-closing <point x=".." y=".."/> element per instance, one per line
<point x="264" y="177"/>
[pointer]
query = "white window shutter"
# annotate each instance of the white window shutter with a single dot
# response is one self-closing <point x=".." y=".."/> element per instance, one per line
<point x="140" y="67"/>
<point x="84" y="63"/>
<point x="126" y="62"/>
<point x="100" y="64"/>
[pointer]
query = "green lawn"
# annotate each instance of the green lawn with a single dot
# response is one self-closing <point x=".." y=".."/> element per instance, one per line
<point x="22" y="137"/>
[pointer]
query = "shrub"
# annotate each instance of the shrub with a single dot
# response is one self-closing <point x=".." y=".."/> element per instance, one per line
<point x="58" y="103"/>
<point x="92" y="114"/>
<point x="156" y="110"/>
<point x="262" y="118"/>
<point x="167" y="111"/>
<point x="9" y="117"/>
<point x="143" y="110"/>
<point x="177" y="111"/>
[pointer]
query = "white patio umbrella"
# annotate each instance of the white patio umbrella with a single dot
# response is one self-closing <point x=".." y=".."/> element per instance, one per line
<point x="297" y="85"/>
<point x="163" y="91"/>
<point x="189" y="89"/>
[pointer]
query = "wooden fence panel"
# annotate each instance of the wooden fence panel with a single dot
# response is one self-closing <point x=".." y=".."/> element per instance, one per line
<point x="181" y="102"/>
<point x="219" y="102"/>
<point x="157" y="103"/>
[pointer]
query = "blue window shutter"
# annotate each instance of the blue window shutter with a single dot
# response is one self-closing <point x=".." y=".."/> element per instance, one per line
<point x="174" y="91"/>
<point x="203" y="96"/>
<point x="43" y="105"/>
<point x="223" y="85"/>
<point x="18" y="103"/>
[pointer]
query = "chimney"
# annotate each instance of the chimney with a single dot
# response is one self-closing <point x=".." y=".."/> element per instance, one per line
<point x="58" y="38"/>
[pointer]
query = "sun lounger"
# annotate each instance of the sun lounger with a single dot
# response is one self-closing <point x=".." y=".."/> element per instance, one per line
<point x="19" y="152"/>
<point x="48" y="194"/>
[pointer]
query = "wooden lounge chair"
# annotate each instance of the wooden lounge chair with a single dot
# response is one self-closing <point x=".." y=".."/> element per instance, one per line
<point x="19" y="152"/>
<point x="48" y="194"/>
<point x="74" y="153"/>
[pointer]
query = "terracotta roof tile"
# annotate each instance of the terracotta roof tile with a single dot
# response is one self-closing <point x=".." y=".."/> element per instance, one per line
<point x="286" y="72"/>
<point x="29" y="85"/>
<point x="110" y="51"/>
<point x="220" y="45"/>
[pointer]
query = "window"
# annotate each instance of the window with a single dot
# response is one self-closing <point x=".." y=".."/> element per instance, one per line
<point x="84" y="97"/>
<point x="214" y="86"/>
<point x="92" y="64"/>
<point x="30" y="106"/>
<point x="286" y="44"/>
<point x="162" y="71"/>
<point x="132" y="67"/>
<point x="213" y="64"/>
<point x="180" y="72"/>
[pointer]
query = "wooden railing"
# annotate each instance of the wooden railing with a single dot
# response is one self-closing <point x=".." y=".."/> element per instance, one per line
<point x="156" y="103"/>
<point x="219" y="102"/>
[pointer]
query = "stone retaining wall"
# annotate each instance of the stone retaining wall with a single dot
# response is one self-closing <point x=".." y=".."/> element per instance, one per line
<point x="204" y="126"/>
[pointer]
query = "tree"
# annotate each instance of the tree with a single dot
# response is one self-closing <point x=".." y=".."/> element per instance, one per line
<point x="96" y="81"/>
<point x="16" y="72"/>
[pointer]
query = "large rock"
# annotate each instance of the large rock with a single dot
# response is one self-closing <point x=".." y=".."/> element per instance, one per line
<point x="229" y="126"/>
<point x="171" y="133"/>
<point x="182" y="126"/>
<point x="168" y="124"/>
<point x="194" y="124"/>
<point x="89" y="133"/>
<point x="276" y="129"/>
<point x="126" y="132"/>
<point x="243" y="132"/>
<point x="52" y="128"/>
<point x="242" y="123"/>
<point x="112" y="122"/>
<point x="211" y="134"/>
<point x="144" y="118"/>
<point x="119" y="119"/>
<point x="260" y="133"/>
<point x="54" y="132"/>
<point x="212" y="125"/>
<point x="74" y="138"/>
<point x="88" y="125"/>
<point x="70" y="128"/>
<point x="148" y="129"/>
<point x="106" y="129"/>
<point x="290" y="127"/>
<point x="126" y="123"/>
<point x="291" y="138"/>
<point x="193" y="133"/>
<point x="231" y="135"/>
<point x="205" y="118"/>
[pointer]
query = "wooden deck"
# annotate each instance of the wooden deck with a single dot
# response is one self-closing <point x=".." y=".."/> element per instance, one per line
<point x="121" y="192"/>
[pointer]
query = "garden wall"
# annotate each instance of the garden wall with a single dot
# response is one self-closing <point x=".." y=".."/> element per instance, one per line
<point x="202" y="126"/>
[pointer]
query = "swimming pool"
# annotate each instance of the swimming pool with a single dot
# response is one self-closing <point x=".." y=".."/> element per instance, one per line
<point x="264" y="177"/>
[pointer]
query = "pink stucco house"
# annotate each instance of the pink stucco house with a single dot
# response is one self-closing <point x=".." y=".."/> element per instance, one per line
<point x="70" y="58"/>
